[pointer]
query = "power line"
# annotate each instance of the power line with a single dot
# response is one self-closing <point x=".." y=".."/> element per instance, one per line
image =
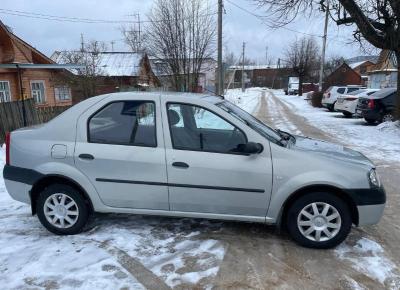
<point x="263" y="20"/>
<point x="48" y="17"/>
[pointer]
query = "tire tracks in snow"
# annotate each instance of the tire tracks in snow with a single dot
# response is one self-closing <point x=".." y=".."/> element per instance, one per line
<point x="147" y="278"/>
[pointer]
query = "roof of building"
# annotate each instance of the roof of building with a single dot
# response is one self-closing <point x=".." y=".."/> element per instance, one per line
<point x="355" y="65"/>
<point x="254" y="67"/>
<point x="111" y="63"/>
<point x="43" y="58"/>
<point x="387" y="62"/>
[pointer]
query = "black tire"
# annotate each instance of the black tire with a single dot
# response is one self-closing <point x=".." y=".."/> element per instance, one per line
<point x="370" y="121"/>
<point x="347" y="114"/>
<point x="73" y="194"/>
<point x="299" y="204"/>
<point x="331" y="108"/>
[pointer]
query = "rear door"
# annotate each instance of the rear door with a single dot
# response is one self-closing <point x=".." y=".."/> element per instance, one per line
<point x="206" y="174"/>
<point x="120" y="148"/>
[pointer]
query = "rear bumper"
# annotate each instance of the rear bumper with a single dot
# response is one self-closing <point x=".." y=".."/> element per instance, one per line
<point x="19" y="182"/>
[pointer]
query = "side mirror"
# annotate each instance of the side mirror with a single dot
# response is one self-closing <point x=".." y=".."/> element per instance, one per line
<point x="251" y="148"/>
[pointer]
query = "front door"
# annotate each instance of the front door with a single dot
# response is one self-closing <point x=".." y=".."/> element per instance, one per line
<point x="206" y="174"/>
<point x="123" y="154"/>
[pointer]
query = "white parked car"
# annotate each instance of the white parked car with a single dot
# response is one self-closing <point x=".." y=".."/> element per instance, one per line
<point x="347" y="104"/>
<point x="330" y="96"/>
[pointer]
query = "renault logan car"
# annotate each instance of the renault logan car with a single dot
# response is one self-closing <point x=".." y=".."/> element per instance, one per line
<point x="188" y="155"/>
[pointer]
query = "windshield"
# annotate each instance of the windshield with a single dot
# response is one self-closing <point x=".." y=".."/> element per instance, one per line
<point x="251" y="121"/>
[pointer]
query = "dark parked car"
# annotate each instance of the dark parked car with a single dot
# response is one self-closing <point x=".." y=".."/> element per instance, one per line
<point x="378" y="107"/>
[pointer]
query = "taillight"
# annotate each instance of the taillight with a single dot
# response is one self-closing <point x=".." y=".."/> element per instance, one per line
<point x="329" y="95"/>
<point x="371" y="104"/>
<point x="350" y="99"/>
<point x="8" y="142"/>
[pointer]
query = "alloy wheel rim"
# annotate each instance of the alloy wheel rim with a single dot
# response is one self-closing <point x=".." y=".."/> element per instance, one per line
<point x="61" y="210"/>
<point x="319" y="222"/>
<point x="388" y="118"/>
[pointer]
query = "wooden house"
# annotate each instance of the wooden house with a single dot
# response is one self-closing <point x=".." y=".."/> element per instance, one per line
<point x="25" y="73"/>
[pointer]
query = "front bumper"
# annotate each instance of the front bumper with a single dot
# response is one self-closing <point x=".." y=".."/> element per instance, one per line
<point x="370" y="214"/>
<point x="370" y="204"/>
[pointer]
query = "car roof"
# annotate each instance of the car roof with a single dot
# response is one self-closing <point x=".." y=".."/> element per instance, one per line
<point x="167" y="95"/>
<point x="383" y="93"/>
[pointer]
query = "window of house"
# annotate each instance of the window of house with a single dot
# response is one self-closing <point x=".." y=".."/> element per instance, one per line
<point x="62" y="93"/>
<point x="5" y="94"/>
<point x="38" y="91"/>
<point x="197" y="129"/>
<point x="124" y="123"/>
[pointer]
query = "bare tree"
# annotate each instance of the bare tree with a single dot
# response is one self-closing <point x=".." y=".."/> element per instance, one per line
<point x="376" y="21"/>
<point x="182" y="35"/>
<point x="302" y="56"/>
<point x="86" y="78"/>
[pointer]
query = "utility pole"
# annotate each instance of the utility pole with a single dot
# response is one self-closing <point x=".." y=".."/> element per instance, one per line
<point x="243" y="79"/>
<point x="135" y="33"/>
<point x="112" y="45"/>
<point x="276" y="72"/>
<point x="321" y="72"/>
<point x="220" y="89"/>
<point x="82" y="43"/>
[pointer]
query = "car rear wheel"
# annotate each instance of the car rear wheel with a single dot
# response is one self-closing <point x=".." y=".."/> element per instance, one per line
<point x="370" y="121"/>
<point x="387" y="117"/>
<point x="331" y="108"/>
<point x="62" y="210"/>
<point x="347" y="114"/>
<point x="319" y="220"/>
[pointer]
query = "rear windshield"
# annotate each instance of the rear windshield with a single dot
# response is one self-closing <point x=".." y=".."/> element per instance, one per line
<point x="357" y="92"/>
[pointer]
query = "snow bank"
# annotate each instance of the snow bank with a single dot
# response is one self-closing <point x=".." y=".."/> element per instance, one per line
<point x="248" y="100"/>
<point x="390" y="127"/>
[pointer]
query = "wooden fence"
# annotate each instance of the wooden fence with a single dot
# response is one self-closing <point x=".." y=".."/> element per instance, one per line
<point x="11" y="115"/>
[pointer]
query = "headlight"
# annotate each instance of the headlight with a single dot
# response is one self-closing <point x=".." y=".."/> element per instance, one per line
<point x="373" y="178"/>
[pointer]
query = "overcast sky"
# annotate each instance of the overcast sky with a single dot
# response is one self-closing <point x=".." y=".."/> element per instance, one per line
<point x="239" y="26"/>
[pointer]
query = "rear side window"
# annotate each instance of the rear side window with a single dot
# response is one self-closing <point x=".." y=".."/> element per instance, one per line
<point x="349" y="90"/>
<point x="341" y="90"/>
<point x="124" y="123"/>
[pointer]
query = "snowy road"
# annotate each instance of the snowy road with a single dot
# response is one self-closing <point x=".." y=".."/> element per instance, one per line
<point x="135" y="252"/>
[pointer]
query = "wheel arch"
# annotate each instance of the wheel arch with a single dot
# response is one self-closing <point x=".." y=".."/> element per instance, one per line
<point x="47" y="180"/>
<point x="318" y="188"/>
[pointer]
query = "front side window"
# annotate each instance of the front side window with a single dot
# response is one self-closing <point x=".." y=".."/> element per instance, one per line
<point x="38" y="92"/>
<point x="62" y="93"/>
<point x="198" y="129"/>
<point x="5" y="95"/>
<point x="124" y="123"/>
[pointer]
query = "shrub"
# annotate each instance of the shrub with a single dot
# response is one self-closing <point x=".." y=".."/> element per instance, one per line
<point x="316" y="99"/>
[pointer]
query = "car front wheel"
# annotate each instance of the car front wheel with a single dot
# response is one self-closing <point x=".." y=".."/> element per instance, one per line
<point x="319" y="220"/>
<point x="62" y="210"/>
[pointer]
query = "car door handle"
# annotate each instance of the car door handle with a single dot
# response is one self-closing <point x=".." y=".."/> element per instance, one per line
<point x="86" y="156"/>
<point x="180" y="164"/>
